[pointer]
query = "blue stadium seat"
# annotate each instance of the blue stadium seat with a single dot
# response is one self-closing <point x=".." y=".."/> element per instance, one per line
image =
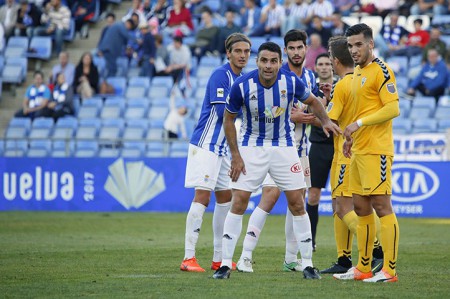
<point x="113" y="108"/>
<point x="158" y="112"/>
<point x="18" y="128"/>
<point x="424" y="125"/>
<point x="204" y="71"/>
<point x="405" y="107"/>
<point x="96" y="16"/>
<point x="211" y="61"/>
<point x="61" y="148"/>
<point x="15" y="70"/>
<point x="70" y="35"/>
<point x="139" y="81"/>
<point x="136" y="108"/>
<point x="39" y="148"/>
<point x="122" y="67"/>
<point x="156" y="149"/>
<point x="135" y="92"/>
<point x="179" y="149"/>
<point x="15" y="52"/>
<point x="111" y="131"/>
<point x="420" y="112"/>
<point x="444" y="101"/>
<point x="162" y="81"/>
<point x="88" y="128"/>
<point x="136" y="129"/>
<point x="402" y="126"/>
<point x="86" y="148"/>
<point x="18" y="42"/>
<point x="65" y="128"/>
<point x="41" y="46"/>
<point x="16" y="148"/>
<point x="156" y="129"/>
<point x="41" y="128"/>
<point x="133" y="149"/>
<point x="158" y="91"/>
<point x="90" y="108"/>
<point x="109" y="152"/>
<point x="402" y="83"/>
<point x="442" y="112"/>
<point x="100" y="63"/>
<point x="119" y="84"/>
<point x="443" y="125"/>
<point x="429" y="102"/>
<point x="399" y="65"/>
<point x="256" y="42"/>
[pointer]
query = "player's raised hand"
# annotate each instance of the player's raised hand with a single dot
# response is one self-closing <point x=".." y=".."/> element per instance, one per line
<point x="237" y="166"/>
<point x="299" y="116"/>
<point x="331" y="127"/>
<point x="326" y="89"/>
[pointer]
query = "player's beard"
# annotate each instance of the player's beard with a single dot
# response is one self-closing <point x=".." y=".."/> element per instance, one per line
<point x="296" y="64"/>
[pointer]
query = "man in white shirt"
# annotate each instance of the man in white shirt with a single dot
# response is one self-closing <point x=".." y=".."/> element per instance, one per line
<point x="8" y="16"/>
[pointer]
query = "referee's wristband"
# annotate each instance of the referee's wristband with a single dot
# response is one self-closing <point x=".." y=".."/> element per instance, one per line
<point x="359" y="122"/>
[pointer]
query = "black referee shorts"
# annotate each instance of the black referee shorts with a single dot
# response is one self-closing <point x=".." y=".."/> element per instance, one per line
<point x="320" y="158"/>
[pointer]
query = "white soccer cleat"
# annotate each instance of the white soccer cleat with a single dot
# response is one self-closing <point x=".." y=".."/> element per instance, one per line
<point x="245" y="265"/>
<point x="293" y="267"/>
<point x="353" y="274"/>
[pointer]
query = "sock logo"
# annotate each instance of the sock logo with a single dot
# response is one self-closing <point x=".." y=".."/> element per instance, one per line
<point x="365" y="261"/>
<point x="197" y="230"/>
<point x="226" y="236"/>
<point x="306" y="241"/>
<point x="251" y="234"/>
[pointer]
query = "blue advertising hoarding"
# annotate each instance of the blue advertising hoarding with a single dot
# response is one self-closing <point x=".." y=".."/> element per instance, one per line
<point x="420" y="189"/>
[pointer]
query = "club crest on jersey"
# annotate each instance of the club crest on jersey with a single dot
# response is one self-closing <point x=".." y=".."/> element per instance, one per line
<point x="206" y="179"/>
<point x="283" y="94"/>
<point x="330" y="106"/>
<point x="391" y="88"/>
<point x="296" y="168"/>
<point x="220" y="92"/>
<point x="363" y="80"/>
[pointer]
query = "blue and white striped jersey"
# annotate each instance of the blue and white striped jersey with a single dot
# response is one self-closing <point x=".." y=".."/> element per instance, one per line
<point x="209" y="133"/>
<point x="301" y="139"/>
<point x="266" y="111"/>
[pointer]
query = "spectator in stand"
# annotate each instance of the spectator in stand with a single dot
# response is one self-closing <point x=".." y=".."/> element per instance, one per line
<point x="272" y="16"/>
<point x="146" y="7"/>
<point x="436" y="43"/>
<point x="392" y="36"/>
<point x="82" y="12"/>
<point x="148" y="49"/>
<point x="206" y="36"/>
<point x="432" y="79"/>
<point x="86" y="80"/>
<point x="229" y="28"/>
<point x="174" y="122"/>
<point x="316" y="26"/>
<point x="339" y="27"/>
<point x="179" y="19"/>
<point x="114" y="42"/>
<point x="136" y="8"/>
<point x="385" y="7"/>
<point x="296" y="12"/>
<point x="62" y="99"/>
<point x="56" y="22"/>
<point x="65" y="67"/>
<point x="8" y="16"/>
<point x="251" y="14"/>
<point x="415" y="43"/>
<point x="323" y="9"/>
<point x="162" y="57"/>
<point x="430" y="7"/>
<point x="344" y="7"/>
<point x="153" y="24"/>
<point x="231" y="5"/>
<point x="179" y="60"/>
<point x="36" y="98"/>
<point x="2" y="38"/>
<point x="159" y="10"/>
<point x="28" y="18"/>
<point x="195" y="7"/>
<point x="110" y="19"/>
<point x="315" y="48"/>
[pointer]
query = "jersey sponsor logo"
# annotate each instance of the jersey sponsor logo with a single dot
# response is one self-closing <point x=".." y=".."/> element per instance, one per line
<point x="307" y="172"/>
<point x="391" y="88"/>
<point x="296" y="168"/>
<point x="363" y="80"/>
<point x="274" y="111"/>
<point x="413" y="182"/>
<point x="220" y="92"/>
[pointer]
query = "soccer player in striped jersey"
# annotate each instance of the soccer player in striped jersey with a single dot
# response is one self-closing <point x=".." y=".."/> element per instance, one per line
<point x="369" y="143"/>
<point x="267" y="145"/>
<point x="295" y="48"/>
<point x="208" y="161"/>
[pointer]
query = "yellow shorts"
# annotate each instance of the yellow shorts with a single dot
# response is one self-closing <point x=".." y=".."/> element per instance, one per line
<point x="333" y="176"/>
<point x="342" y="178"/>
<point x="371" y="175"/>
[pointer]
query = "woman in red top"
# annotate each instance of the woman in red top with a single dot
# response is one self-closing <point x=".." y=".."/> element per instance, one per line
<point x="179" y="19"/>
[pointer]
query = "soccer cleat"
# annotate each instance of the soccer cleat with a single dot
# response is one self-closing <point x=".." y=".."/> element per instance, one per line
<point x="335" y="268"/>
<point x="292" y="267"/>
<point x="377" y="265"/>
<point x="311" y="273"/>
<point x="245" y="265"/>
<point x="222" y="273"/>
<point x="216" y="265"/>
<point x="191" y="265"/>
<point x="382" y="276"/>
<point x="353" y="274"/>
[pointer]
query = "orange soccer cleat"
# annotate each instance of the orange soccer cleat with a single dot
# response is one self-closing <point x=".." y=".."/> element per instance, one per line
<point x="191" y="265"/>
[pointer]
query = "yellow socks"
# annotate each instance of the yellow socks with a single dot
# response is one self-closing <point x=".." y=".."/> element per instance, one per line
<point x="343" y="237"/>
<point x="366" y="236"/>
<point x="390" y="234"/>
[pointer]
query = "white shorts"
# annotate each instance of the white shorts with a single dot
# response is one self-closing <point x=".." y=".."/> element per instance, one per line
<point x="304" y="161"/>
<point x="282" y="163"/>
<point x="206" y="170"/>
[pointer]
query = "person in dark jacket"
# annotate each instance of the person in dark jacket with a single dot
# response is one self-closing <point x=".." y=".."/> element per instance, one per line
<point x="28" y="18"/>
<point x="148" y="50"/>
<point x="86" y="79"/>
<point x="62" y="99"/>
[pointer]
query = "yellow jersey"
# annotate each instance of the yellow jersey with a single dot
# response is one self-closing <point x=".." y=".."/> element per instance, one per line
<point x="373" y="86"/>
<point x="341" y="109"/>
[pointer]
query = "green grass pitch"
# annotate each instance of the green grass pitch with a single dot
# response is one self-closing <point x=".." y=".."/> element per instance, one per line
<point x="137" y="255"/>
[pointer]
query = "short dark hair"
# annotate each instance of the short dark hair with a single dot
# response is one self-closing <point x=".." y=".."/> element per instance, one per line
<point x="178" y="39"/>
<point x="132" y="24"/>
<point x="358" y="29"/>
<point x="418" y="20"/>
<point x="270" y="46"/>
<point x="294" y="35"/>
<point x="235" y="38"/>
<point x="322" y="55"/>
<point x="111" y="14"/>
<point x="339" y="49"/>
<point x="38" y="72"/>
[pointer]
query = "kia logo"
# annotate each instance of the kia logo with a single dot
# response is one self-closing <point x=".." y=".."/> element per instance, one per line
<point x="296" y="168"/>
<point x="413" y="182"/>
